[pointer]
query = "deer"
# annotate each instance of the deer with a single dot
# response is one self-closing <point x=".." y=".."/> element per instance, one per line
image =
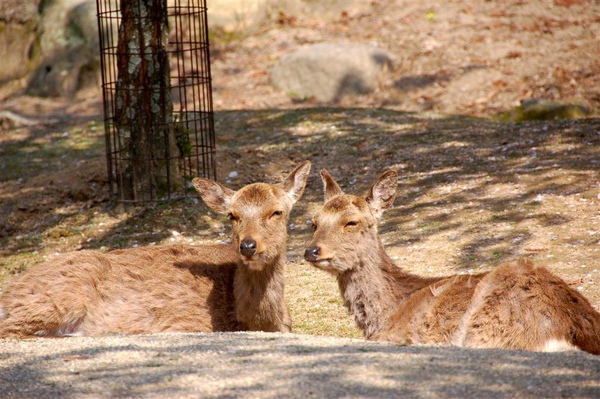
<point x="515" y="306"/>
<point x="174" y="288"/>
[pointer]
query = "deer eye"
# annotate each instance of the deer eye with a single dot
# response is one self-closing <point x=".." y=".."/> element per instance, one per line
<point x="231" y="217"/>
<point x="277" y="213"/>
<point x="351" y="224"/>
<point x="314" y="226"/>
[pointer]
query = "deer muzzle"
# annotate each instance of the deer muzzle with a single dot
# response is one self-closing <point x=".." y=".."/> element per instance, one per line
<point x="248" y="247"/>
<point x="312" y="253"/>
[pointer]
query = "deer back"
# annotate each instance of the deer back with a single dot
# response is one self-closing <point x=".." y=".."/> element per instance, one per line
<point x="520" y="306"/>
<point x="138" y="290"/>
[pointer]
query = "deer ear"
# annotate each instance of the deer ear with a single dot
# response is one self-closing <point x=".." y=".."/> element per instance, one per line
<point x="216" y="196"/>
<point x="383" y="192"/>
<point x="330" y="187"/>
<point x="295" y="183"/>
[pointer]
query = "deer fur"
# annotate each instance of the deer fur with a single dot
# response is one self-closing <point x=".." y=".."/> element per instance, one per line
<point x="515" y="306"/>
<point x="173" y="288"/>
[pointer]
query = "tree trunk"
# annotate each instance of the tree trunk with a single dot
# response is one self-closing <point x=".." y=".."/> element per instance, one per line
<point x="143" y="112"/>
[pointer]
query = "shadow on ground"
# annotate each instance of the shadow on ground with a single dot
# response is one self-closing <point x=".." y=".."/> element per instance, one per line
<point x="450" y="166"/>
<point x="262" y="365"/>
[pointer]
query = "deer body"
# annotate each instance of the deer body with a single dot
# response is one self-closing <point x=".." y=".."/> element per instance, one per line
<point x="515" y="306"/>
<point x="132" y="291"/>
<point x="173" y="288"/>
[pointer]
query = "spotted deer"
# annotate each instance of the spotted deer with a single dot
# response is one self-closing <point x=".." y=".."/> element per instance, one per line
<point x="173" y="288"/>
<point x="515" y="306"/>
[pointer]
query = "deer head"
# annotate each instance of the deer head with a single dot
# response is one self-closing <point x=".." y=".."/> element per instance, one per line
<point x="258" y="213"/>
<point x="345" y="228"/>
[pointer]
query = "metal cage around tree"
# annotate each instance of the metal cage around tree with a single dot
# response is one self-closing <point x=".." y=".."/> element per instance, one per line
<point x="157" y="91"/>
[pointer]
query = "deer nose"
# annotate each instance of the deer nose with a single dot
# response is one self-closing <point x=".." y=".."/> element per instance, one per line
<point x="248" y="247"/>
<point x="312" y="253"/>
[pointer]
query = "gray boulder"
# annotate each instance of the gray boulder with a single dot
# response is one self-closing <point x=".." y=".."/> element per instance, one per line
<point x="68" y="48"/>
<point x="18" y="21"/>
<point x="327" y="72"/>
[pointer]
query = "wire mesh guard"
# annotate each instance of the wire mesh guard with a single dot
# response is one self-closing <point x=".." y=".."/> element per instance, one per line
<point x="156" y="83"/>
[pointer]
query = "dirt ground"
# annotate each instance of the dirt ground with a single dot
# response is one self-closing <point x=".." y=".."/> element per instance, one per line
<point x="269" y="366"/>
<point x="474" y="192"/>
<point x="454" y="57"/>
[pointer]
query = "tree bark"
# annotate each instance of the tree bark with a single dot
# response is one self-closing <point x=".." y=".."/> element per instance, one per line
<point x="143" y="112"/>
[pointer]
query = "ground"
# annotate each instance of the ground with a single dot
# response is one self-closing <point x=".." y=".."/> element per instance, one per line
<point x="277" y="365"/>
<point x="474" y="192"/>
<point x="454" y="57"/>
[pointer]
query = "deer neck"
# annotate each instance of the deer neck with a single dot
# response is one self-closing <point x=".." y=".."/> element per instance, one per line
<point x="259" y="296"/>
<point x="260" y="278"/>
<point x="375" y="288"/>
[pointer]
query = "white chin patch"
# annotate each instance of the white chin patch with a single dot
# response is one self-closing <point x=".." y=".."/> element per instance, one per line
<point x="323" y="263"/>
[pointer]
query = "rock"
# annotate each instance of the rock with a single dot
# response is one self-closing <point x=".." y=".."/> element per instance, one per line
<point x="68" y="49"/>
<point x="235" y="15"/>
<point x="19" y="10"/>
<point x="52" y="43"/>
<point x="327" y="71"/>
<point x="18" y="21"/>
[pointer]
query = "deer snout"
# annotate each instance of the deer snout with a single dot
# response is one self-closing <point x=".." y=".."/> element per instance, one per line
<point x="312" y="253"/>
<point x="248" y="247"/>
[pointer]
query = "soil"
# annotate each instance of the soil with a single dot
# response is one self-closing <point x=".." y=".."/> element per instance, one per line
<point x="453" y="57"/>
<point x="262" y="365"/>
<point x="474" y="192"/>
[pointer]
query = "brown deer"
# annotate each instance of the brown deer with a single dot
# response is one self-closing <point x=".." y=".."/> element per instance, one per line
<point x="515" y="306"/>
<point x="172" y="288"/>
